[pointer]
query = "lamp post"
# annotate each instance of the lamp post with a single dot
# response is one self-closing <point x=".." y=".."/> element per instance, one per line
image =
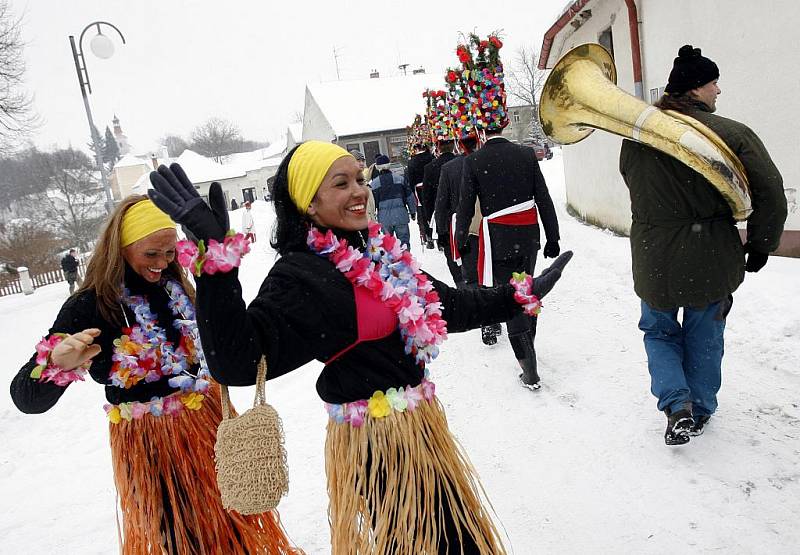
<point x="102" y="47"/>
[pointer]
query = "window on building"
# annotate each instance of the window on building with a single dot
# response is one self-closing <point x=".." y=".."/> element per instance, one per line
<point x="655" y="94"/>
<point x="606" y="40"/>
<point x="371" y="149"/>
<point x="515" y="117"/>
<point x="352" y="146"/>
<point x="249" y="194"/>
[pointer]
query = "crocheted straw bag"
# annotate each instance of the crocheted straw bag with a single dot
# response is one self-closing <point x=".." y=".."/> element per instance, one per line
<point x="251" y="460"/>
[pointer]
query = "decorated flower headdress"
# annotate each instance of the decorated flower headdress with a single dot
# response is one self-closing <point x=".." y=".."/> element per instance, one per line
<point x="462" y="107"/>
<point x="438" y="116"/>
<point x="417" y="133"/>
<point x="483" y="72"/>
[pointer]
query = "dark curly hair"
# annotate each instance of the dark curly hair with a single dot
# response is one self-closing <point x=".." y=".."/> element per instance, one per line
<point x="291" y="227"/>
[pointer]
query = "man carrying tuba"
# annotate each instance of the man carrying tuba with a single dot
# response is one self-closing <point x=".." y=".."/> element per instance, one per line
<point x="686" y="250"/>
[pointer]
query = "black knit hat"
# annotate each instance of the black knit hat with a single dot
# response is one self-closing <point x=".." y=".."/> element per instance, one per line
<point x="690" y="70"/>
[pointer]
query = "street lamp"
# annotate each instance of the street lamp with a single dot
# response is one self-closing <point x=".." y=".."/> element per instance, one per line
<point x="102" y="47"/>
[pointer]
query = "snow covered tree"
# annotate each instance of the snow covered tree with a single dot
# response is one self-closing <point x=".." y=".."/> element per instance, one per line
<point x="110" y="149"/>
<point x="524" y="83"/>
<point x="17" y="118"/>
<point x="216" y="138"/>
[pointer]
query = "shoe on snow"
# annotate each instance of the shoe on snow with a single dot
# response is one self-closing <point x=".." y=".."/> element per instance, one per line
<point x="699" y="425"/>
<point x="533" y="386"/>
<point x="488" y="336"/>
<point x="679" y="424"/>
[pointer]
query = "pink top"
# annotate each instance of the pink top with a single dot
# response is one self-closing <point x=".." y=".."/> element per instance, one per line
<point x="374" y="319"/>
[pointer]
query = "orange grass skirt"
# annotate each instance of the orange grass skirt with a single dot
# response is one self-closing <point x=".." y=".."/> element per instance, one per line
<point x="164" y="472"/>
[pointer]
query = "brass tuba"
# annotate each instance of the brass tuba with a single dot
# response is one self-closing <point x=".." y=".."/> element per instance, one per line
<point x="580" y="95"/>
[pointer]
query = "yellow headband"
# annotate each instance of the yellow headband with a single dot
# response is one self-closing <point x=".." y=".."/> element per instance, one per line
<point x="308" y="166"/>
<point x="142" y="219"/>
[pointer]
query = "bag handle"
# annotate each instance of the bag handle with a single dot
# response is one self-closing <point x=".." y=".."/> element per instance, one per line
<point x="260" y="399"/>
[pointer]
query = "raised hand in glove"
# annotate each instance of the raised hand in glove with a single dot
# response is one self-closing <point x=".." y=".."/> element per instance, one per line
<point x="544" y="282"/>
<point x="551" y="249"/>
<point x="755" y="259"/>
<point x="175" y="195"/>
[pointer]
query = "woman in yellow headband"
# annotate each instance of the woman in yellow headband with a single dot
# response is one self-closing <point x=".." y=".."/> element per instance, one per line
<point x="348" y="296"/>
<point x="131" y="328"/>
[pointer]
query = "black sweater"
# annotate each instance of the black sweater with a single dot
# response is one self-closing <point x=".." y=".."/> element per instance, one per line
<point x="305" y="310"/>
<point x="78" y="313"/>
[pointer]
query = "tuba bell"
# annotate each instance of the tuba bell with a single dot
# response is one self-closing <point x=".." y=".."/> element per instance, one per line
<point x="580" y="95"/>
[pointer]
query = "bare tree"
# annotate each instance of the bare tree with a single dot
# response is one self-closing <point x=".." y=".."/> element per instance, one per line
<point x="72" y="202"/>
<point x="175" y="144"/>
<point x="17" y="118"/>
<point x="525" y="82"/>
<point x="25" y="243"/>
<point x="216" y="138"/>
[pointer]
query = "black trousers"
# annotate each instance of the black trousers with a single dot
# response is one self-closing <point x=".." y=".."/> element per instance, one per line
<point x="520" y="324"/>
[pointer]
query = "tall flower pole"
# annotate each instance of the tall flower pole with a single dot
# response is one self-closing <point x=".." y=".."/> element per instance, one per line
<point x="102" y="47"/>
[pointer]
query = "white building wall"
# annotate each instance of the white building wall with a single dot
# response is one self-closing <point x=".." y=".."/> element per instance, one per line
<point x="315" y="125"/>
<point x="594" y="187"/>
<point x="750" y="43"/>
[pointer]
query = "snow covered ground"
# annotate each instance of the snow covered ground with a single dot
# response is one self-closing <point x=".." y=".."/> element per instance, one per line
<point x="579" y="466"/>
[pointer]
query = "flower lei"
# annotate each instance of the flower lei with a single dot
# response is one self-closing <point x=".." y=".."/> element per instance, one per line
<point x="46" y="371"/>
<point x="382" y="404"/>
<point x="388" y="270"/>
<point x="144" y="353"/>
<point x="217" y="257"/>
<point x="523" y="283"/>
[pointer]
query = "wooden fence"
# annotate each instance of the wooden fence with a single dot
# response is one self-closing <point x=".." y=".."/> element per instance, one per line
<point x="10" y="284"/>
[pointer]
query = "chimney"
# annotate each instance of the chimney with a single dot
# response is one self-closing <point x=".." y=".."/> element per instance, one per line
<point x="418" y="71"/>
<point x="374" y="74"/>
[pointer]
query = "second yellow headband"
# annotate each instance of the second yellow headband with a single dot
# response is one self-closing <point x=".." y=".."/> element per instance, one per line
<point x="308" y="166"/>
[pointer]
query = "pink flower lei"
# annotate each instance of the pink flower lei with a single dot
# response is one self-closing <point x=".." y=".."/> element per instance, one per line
<point x="389" y="271"/>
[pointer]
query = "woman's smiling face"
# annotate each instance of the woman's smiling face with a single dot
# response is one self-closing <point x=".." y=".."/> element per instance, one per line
<point x="150" y="255"/>
<point x="341" y="200"/>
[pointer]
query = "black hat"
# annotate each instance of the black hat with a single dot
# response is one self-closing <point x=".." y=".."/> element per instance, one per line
<point x="381" y="160"/>
<point x="690" y="70"/>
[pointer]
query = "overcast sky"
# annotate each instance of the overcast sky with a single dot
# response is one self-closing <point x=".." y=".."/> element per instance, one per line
<point x="246" y="61"/>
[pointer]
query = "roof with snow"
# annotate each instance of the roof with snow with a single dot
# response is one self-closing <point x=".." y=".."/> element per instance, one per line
<point x="373" y="105"/>
<point x="200" y="169"/>
<point x="130" y="160"/>
<point x="257" y="159"/>
<point x="296" y="131"/>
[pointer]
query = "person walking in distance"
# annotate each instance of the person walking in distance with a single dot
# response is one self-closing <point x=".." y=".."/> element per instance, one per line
<point x="686" y="250"/>
<point x="394" y="201"/>
<point x="69" y="264"/>
<point x="248" y="225"/>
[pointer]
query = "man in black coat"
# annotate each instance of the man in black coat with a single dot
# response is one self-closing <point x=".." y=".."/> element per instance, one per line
<point x="513" y="197"/>
<point x="70" y="266"/>
<point x="415" y="174"/>
<point x="430" y="186"/>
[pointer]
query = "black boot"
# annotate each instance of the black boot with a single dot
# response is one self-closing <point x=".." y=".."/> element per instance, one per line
<point x="522" y="344"/>
<point x="679" y="425"/>
<point x="488" y="336"/>
<point x="699" y="425"/>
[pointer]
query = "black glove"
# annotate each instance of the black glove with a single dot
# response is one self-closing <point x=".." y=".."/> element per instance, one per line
<point x="755" y="259"/>
<point x="551" y="249"/>
<point x="413" y="217"/>
<point x="175" y="195"/>
<point x="549" y="276"/>
<point x="442" y="243"/>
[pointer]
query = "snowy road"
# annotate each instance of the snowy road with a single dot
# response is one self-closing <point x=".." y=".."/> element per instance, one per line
<point x="578" y="466"/>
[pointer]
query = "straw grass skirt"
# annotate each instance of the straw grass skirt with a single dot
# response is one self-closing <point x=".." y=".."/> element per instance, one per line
<point x="164" y="472"/>
<point x="392" y="482"/>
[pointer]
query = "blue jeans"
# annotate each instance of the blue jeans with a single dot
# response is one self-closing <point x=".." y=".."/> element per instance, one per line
<point x="685" y="359"/>
<point x="400" y="231"/>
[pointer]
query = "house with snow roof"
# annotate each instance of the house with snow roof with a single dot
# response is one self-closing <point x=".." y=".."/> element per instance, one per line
<point x="370" y="115"/>
<point x="644" y="36"/>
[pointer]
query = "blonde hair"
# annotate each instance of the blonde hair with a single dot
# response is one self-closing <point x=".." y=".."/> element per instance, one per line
<point x="105" y="273"/>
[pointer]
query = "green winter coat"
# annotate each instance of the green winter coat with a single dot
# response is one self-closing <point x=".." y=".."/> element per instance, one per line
<point x="685" y="247"/>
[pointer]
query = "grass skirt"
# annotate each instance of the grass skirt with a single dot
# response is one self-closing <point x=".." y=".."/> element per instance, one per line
<point x="392" y="482"/>
<point x="164" y="472"/>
